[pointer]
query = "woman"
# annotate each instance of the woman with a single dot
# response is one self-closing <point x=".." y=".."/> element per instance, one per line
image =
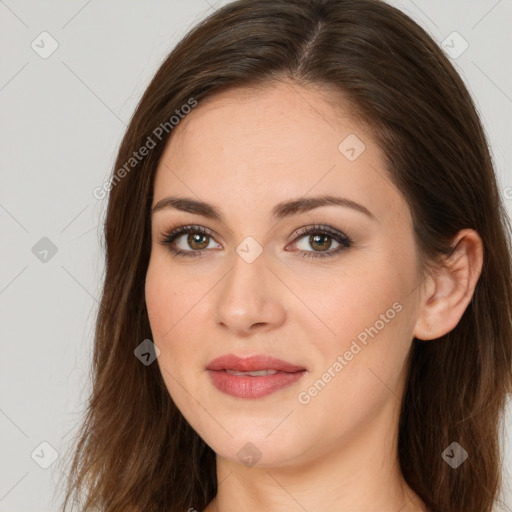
<point x="308" y="280"/>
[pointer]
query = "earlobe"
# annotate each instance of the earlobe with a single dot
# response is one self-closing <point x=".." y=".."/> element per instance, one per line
<point x="454" y="282"/>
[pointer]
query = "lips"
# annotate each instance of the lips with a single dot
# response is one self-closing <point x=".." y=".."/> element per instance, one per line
<point x="252" y="364"/>
<point x="252" y="377"/>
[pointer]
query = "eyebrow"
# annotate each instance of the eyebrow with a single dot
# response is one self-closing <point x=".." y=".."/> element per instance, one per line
<point x="280" y="211"/>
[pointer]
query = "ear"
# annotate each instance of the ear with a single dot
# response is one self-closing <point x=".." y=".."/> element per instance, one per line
<point x="450" y="287"/>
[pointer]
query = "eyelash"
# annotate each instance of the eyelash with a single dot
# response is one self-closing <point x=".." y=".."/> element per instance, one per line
<point x="344" y="240"/>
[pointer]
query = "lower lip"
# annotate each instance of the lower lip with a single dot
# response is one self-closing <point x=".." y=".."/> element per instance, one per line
<point x="245" y="386"/>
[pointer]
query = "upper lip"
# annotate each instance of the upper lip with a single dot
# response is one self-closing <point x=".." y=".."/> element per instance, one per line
<point x="252" y="363"/>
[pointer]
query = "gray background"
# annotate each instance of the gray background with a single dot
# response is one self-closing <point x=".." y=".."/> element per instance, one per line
<point x="63" y="118"/>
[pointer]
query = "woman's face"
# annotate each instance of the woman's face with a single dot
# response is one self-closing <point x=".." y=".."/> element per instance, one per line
<point x="343" y="314"/>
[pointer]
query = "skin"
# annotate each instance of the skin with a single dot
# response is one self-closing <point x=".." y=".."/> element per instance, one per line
<point x="245" y="151"/>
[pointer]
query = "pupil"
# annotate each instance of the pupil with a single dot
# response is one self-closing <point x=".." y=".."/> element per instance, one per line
<point x="315" y="239"/>
<point x="194" y="239"/>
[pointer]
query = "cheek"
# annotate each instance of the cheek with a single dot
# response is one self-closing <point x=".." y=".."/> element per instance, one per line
<point x="161" y="300"/>
<point x="360" y="370"/>
<point x="344" y="304"/>
<point x="167" y="305"/>
<point x="170" y="297"/>
<point x="176" y="306"/>
<point x="369" y="334"/>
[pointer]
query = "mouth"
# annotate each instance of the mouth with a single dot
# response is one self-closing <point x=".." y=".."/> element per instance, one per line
<point x="257" y="373"/>
<point x="252" y="377"/>
<point x="256" y="363"/>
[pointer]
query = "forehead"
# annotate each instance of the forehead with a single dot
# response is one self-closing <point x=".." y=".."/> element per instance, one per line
<point x="257" y="147"/>
<point x="280" y="123"/>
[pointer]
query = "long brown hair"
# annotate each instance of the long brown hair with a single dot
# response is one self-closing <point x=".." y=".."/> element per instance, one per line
<point x="135" y="451"/>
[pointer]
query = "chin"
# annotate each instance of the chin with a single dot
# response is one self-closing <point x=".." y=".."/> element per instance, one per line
<point x="254" y="446"/>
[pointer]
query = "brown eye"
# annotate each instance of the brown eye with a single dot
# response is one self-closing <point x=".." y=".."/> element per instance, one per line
<point x="197" y="239"/>
<point x="194" y="240"/>
<point x="322" y="242"/>
<point x="320" y="239"/>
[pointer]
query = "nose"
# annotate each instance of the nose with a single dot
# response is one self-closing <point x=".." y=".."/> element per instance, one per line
<point x="250" y="298"/>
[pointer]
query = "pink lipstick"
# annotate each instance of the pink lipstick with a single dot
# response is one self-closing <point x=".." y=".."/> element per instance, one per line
<point x="252" y="377"/>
